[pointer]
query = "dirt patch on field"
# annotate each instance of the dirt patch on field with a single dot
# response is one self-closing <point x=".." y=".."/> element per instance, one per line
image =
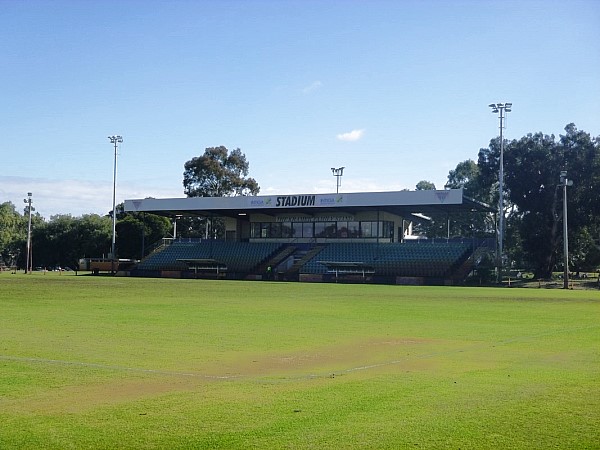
<point x="329" y="359"/>
<point x="78" y="399"/>
<point x="334" y="360"/>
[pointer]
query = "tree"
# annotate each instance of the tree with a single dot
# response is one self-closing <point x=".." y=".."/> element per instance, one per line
<point x="94" y="235"/>
<point x="467" y="176"/>
<point x="218" y="173"/>
<point x="532" y="167"/>
<point x="138" y="231"/>
<point x="13" y="233"/>
<point x="582" y="163"/>
<point x="425" y="185"/>
<point x="432" y="226"/>
<point x="54" y="242"/>
<point x="37" y="223"/>
<point x="64" y="239"/>
<point x="441" y="225"/>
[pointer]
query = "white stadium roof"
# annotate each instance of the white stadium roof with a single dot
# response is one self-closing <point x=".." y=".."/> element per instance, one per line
<point x="402" y="203"/>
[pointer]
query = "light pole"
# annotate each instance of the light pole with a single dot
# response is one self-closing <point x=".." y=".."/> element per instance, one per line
<point x="28" y="261"/>
<point x="338" y="173"/>
<point x="564" y="182"/>
<point x="177" y="216"/>
<point x="501" y="109"/>
<point x="115" y="140"/>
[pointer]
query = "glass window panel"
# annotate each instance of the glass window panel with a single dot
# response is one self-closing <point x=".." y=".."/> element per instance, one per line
<point x="342" y="230"/>
<point x="388" y="229"/>
<point x="297" y="229"/>
<point x="286" y="230"/>
<point x="255" y="229"/>
<point x="353" y="229"/>
<point x="307" y="229"/>
<point x="330" y="229"/>
<point x="319" y="229"/>
<point x="275" y="230"/>
<point x="366" y="229"/>
<point x="265" y="230"/>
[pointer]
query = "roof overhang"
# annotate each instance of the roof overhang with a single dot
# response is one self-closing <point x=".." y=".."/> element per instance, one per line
<point x="401" y="203"/>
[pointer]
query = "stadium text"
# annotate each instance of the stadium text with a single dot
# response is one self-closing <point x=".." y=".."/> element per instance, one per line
<point x="296" y="200"/>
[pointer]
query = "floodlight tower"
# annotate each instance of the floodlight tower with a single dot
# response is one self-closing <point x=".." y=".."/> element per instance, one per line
<point x="29" y="208"/>
<point x="564" y="182"/>
<point x="115" y="140"/>
<point x="338" y="173"/>
<point x="501" y="109"/>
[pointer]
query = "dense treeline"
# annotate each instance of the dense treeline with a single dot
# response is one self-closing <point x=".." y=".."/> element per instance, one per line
<point x="533" y="207"/>
<point x="63" y="240"/>
<point x="533" y="199"/>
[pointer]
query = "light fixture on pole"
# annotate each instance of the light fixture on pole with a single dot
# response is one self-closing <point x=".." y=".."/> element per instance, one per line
<point x="501" y="109"/>
<point x="564" y="182"/>
<point x="177" y="216"/>
<point x="29" y="208"/>
<point x="115" y="140"/>
<point x="338" y="173"/>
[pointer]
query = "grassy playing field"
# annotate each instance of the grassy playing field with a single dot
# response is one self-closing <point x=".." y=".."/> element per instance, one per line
<point x="102" y="362"/>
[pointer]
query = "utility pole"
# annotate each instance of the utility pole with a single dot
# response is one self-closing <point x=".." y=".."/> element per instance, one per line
<point x="501" y="109"/>
<point x="115" y="140"/>
<point x="28" y="258"/>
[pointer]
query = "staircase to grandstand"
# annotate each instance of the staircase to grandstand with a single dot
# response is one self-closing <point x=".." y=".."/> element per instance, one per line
<point x="423" y="262"/>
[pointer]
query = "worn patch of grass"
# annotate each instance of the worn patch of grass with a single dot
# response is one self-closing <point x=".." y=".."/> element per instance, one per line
<point x="102" y="362"/>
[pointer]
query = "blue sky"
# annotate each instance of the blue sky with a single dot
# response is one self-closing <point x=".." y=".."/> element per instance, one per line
<point x="394" y="91"/>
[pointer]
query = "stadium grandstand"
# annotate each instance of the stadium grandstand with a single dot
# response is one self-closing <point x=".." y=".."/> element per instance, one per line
<point x="352" y="237"/>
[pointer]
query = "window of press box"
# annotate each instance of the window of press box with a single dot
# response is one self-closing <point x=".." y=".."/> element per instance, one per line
<point x="331" y="229"/>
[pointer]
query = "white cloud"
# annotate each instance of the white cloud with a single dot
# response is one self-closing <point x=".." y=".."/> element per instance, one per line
<point x="351" y="136"/>
<point x="315" y="85"/>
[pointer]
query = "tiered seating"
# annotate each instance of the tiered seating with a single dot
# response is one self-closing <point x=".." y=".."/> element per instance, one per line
<point x="420" y="260"/>
<point x="237" y="256"/>
<point x="433" y="260"/>
<point x="341" y="252"/>
<point x="407" y="259"/>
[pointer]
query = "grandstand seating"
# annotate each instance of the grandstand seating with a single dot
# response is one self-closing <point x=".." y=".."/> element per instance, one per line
<point x="406" y="259"/>
<point x="429" y="260"/>
<point x="237" y="256"/>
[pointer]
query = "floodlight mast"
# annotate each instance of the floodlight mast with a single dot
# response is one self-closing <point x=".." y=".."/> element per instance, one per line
<point x="501" y="109"/>
<point x="115" y="140"/>
<point x="564" y="182"/>
<point x="338" y="173"/>
<point x="28" y="259"/>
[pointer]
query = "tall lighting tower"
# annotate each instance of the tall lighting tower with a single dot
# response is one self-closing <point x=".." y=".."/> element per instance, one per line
<point x="115" y="140"/>
<point x="28" y="259"/>
<point x="564" y="182"/>
<point x="338" y="173"/>
<point x="501" y="109"/>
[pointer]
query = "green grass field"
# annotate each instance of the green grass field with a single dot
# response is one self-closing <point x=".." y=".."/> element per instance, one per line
<point x="102" y="362"/>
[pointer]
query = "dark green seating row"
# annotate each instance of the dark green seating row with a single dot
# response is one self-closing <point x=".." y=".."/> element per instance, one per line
<point x="237" y="256"/>
<point x="424" y="260"/>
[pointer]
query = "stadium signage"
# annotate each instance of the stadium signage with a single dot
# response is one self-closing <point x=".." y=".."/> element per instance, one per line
<point x="295" y="200"/>
<point x="331" y="200"/>
<point x="261" y="202"/>
<point x="315" y="219"/>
